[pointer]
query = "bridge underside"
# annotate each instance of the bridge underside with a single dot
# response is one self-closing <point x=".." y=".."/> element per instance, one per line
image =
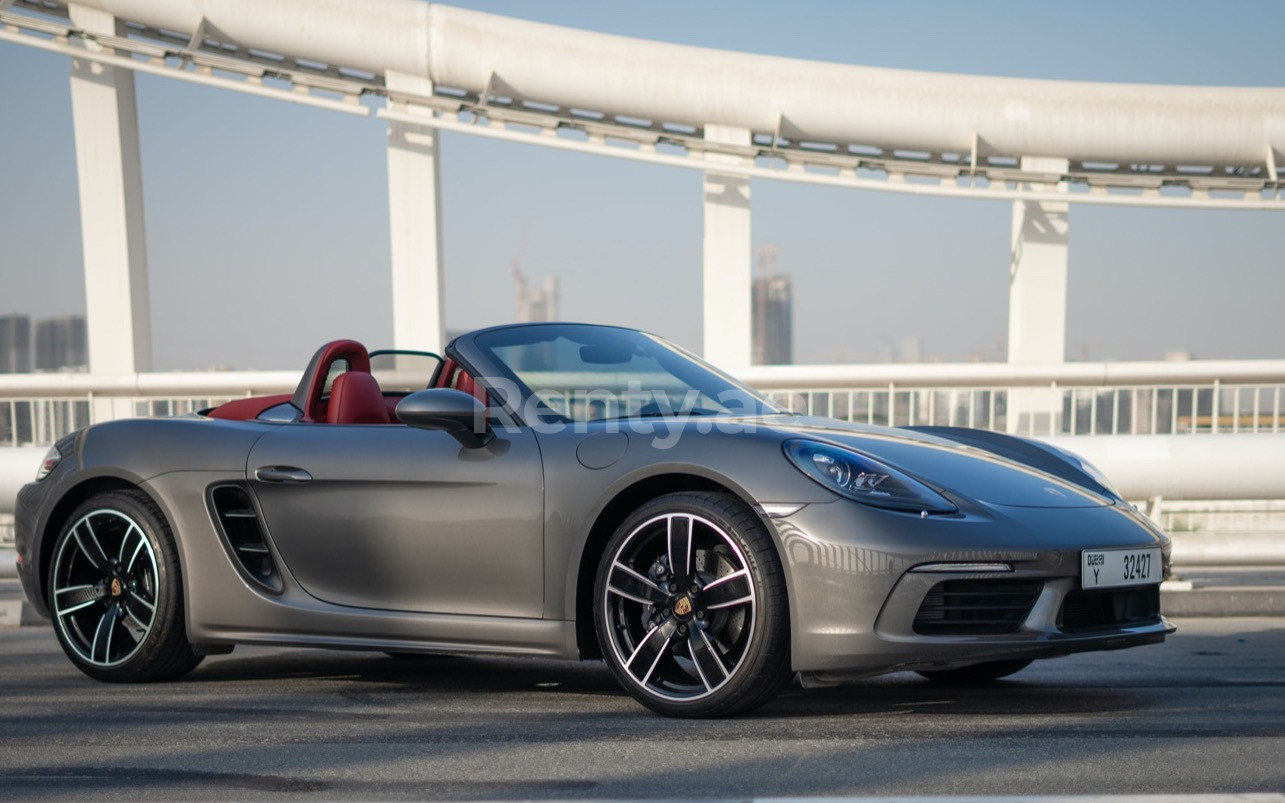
<point x="419" y="64"/>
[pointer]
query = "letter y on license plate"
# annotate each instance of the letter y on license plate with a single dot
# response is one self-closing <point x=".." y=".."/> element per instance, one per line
<point x="1113" y="568"/>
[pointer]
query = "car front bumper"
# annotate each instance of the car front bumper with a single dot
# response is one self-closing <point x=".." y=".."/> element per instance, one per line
<point x="26" y="518"/>
<point x="856" y="596"/>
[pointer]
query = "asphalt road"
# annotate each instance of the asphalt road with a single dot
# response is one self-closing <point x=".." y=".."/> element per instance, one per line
<point x="1203" y="713"/>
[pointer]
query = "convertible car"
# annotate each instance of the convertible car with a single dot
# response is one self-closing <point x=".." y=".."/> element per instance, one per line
<point x="578" y="491"/>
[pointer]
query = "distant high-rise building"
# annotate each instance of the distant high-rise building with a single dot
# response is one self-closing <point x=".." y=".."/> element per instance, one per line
<point x="61" y="343"/>
<point x="912" y="349"/>
<point x="773" y="301"/>
<point x="15" y="344"/>
<point x="907" y="348"/>
<point x="534" y="303"/>
<point x="772" y="311"/>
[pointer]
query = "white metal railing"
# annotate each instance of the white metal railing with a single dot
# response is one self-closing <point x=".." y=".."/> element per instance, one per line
<point x="37" y="409"/>
<point x="41" y="421"/>
<point x="1139" y="422"/>
<point x="1141" y="398"/>
<point x="1133" y="410"/>
<point x="1225" y="516"/>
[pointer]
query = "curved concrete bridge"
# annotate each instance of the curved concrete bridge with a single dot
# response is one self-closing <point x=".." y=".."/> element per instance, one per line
<point x="1040" y="145"/>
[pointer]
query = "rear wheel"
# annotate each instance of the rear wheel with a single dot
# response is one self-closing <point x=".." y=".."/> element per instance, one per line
<point x="978" y="673"/>
<point x="116" y="594"/>
<point x="690" y="607"/>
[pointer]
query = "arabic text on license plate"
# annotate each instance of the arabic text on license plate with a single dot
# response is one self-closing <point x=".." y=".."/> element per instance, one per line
<point x="1112" y="568"/>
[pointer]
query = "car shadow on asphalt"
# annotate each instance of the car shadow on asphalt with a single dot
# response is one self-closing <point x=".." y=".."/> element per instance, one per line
<point x="899" y="693"/>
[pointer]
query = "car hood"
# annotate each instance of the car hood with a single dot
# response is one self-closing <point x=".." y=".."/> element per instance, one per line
<point x="948" y="465"/>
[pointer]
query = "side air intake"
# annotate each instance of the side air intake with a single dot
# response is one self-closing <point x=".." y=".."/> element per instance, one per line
<point x="242" y="533"/>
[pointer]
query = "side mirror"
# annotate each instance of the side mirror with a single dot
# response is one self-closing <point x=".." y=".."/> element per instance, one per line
<point x="455" y="412"/>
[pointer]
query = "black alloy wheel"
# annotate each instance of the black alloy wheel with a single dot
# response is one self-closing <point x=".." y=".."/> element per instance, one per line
<point x="115" y="591"/>
<point x="691" y="609"/>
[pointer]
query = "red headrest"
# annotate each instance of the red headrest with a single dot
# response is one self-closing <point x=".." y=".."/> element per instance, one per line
<point x="307" y="397"/>
<point x="445" y="373"/>
<point x="355" y="398"/>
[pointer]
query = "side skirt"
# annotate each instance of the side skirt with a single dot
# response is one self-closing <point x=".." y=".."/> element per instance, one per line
<point x="466" y="634"/>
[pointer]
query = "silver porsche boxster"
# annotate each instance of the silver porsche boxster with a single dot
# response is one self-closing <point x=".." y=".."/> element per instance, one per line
<point x="578" y="491"/>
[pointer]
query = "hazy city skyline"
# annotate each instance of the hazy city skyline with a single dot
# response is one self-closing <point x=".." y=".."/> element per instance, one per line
<point x="267" y="222"/>
<point x="43" y="344"/>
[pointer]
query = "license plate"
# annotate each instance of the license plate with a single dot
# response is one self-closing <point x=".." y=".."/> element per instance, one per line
<point x="1113" y="568"/>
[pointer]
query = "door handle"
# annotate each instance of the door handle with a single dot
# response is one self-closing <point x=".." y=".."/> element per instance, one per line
<point x="284" y="474"/>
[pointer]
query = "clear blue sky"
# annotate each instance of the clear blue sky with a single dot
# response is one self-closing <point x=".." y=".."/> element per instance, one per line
<point x="267" y="222"/>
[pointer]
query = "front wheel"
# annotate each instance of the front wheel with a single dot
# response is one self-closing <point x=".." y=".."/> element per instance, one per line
<point x="115" y="592"/>
<point x="691" y="609"/>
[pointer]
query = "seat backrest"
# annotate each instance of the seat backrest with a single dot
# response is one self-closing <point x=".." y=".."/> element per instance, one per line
<point x="355" y="398"/>
<point x="451" y="375"/>
<point x="466" y="384"/>
<point x="309" y="397"/>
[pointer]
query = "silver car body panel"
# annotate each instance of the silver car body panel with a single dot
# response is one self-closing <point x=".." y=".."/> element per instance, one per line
<point x="404" y="519"/>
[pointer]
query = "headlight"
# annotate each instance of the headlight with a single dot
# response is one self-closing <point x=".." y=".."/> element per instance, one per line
<point x="52" y="458"/>
<point x="863" y="478"/>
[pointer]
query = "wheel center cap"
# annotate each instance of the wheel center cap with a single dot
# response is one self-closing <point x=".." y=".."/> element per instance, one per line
<point x="682" y="606"/>
<point x="116" y="587"/>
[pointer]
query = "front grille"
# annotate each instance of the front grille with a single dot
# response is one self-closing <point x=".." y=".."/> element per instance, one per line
<point x="1091" y="610"/>
<point x="976" y="607"/>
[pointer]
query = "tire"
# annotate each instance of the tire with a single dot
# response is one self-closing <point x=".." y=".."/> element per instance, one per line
<point x="717" y="644"/>
<point x="116" y="592"/>
<point x="978" y="673"/>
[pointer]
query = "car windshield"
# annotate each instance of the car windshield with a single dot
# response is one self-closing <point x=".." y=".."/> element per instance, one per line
<point x="592" y="373"/>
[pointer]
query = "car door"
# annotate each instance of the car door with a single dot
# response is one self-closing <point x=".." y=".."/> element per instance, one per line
<point x="398" y="518"/>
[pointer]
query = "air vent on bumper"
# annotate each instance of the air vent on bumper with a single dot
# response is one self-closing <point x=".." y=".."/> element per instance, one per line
<point x="243" y="536"/>
<point x="976" y="607"/>
<point x="1090" y="610"/>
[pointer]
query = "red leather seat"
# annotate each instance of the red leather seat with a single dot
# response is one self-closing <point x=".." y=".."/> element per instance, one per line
<point x="355" y="398"/>
<point x="451" y="375"/>
<point x="466" y="384"/>
<point x="309" y="397"/>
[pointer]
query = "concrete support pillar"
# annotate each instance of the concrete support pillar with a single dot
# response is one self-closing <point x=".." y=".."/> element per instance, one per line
<point x="415" y="224"/>
<point x="1037" y="301"/>
<point x="728" y="258"/>
<point x="109" y="171"/>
